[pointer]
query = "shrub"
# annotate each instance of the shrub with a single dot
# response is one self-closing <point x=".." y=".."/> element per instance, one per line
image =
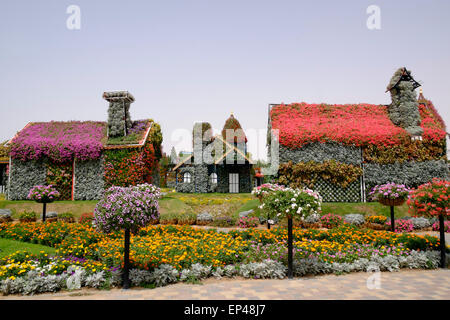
<point x="330" y="220"/>
<point x="169" y="218"/>
<point x="354" y="218"/>
<point x="435" y="226"/>
<point x="420" y="223"/>
<point x="402" y="225"/>
<point x="27" y="216"/>
<point x="86" y="218"/>
<point x="66" y="217"/>
<point x="204" y="219"/>
<point x="267" y="269"/>
<point x="248" y="222"/>
<point x="376" y="219"/>
<point x="223" y="221"/>
<point x="430" y="199"/>
<point x="188" y="218"/>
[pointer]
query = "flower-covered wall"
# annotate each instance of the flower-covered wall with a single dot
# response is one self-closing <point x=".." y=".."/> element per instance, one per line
<point x="89" y="179"/>
<point x="23" y="176"/>
<point x="344" y="150"/>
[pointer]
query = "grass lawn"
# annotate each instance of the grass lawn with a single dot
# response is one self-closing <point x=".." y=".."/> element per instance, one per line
<point x="75" y="207"/>
<point x="367" y="208"/>
<point x="8" y="247"/>
<point x="214" y="203"/>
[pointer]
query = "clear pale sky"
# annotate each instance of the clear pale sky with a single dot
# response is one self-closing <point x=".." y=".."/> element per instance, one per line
<point x="187" y="61"/>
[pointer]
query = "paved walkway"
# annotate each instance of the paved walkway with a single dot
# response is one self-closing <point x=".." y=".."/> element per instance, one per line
<point x="405" y="284"/>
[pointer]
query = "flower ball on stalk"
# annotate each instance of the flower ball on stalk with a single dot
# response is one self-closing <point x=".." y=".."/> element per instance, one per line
<point x="294" y="203"/>
<point x="43" y="194"/>
<point x="127" y="208"/>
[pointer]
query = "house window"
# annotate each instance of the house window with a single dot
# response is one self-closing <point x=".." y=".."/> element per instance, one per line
<point x="187" y="177"/>
<point x="213" y="177"/>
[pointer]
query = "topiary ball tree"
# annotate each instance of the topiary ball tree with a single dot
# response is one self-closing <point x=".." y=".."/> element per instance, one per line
<point x="43" y="194"/>
<point x="263" y="190"/>
<point x="392" y="195"/>
<point x="292" y="204"/>
<point x="128" y="209"/>
<point x="432" y="199"/>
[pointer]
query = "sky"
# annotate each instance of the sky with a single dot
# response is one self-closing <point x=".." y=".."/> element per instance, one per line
<point x="188" y="61"/>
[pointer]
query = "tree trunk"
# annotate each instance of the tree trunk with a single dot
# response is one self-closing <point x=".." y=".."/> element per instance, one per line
<point x="392" y="219"/>
<point x="290" y="249"/>
<point x="442" y="240"/>
<point x="44" y="210"/>
<point x="126" y="261"/>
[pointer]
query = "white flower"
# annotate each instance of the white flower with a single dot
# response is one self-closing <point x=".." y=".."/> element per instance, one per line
<point x="271" y="222"/>
<point x="299" y="209"/>
<point x="276" y="200"/>
<point x="293" y="200"/>
<point x="293" y="205"/>
<point x="287" y="210"/>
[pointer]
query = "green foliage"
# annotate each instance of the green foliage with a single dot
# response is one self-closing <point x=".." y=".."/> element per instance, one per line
<point x="408" y="151"/>
<point x="26" y="215"/>
<point x="66" y="215"/>
<point x="59" y="175"/>
<point x="4" y="151"/>
<point x="305" y="174"/>
<point x="156" y="138"/>
<point x="132" y="138"/>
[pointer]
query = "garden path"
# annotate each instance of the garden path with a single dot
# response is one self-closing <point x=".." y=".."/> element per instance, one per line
<point x="405" y="284"/>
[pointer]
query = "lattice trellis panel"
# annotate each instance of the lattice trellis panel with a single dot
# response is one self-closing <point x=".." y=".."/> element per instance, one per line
<point x="334" y="193"/>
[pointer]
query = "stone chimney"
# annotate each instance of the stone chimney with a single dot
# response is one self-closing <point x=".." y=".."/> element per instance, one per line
<point x="119" y="120"/>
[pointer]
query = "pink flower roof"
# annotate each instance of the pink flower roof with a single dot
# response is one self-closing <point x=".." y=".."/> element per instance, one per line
<point x="63" y="141"/>
<point x="59" y="141"/>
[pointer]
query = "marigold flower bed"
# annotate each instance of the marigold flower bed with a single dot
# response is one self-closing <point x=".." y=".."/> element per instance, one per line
<point x="182" y="246"/>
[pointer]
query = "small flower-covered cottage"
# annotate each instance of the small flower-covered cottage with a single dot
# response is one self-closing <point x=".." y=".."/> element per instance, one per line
<point x="218" y="163"/>
<point x="342" y="151"/>
<point x="82" y="158"/>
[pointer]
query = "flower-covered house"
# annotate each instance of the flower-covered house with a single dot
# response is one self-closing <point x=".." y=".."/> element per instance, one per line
<point x="342" y="151"/>
<point x="82" y="158"/>
<point x="218" y="163"/>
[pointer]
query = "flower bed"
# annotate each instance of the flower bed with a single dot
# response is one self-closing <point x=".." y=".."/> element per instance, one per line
<point x="402" y="225"/>
<point x="435" y="226"/>
<point x="166" y="254"/>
